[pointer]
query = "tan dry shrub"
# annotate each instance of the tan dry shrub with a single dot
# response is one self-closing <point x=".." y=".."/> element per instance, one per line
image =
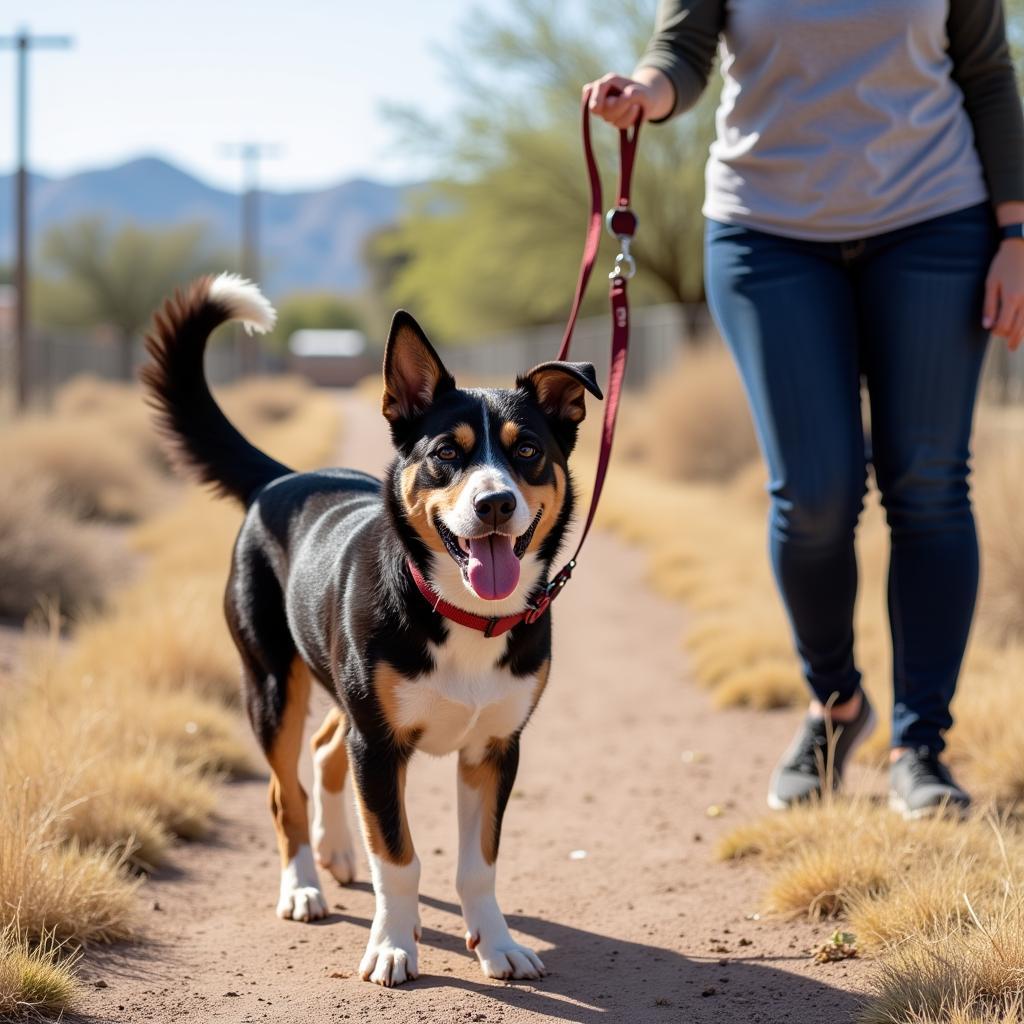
<point x="35" y="978"/>
<point x="986" y="740"/>
<point x="971" y="975"/>
<point x="48" y="559"/>
<point x="165" y="634"/>
<point x="693" y="424"/>
<point x="259" y="401"/>
<point x="998" y="482"/>
<point x="91" y="747"/>
<point x="845" y="852"/>
<point x="50" y="884"/>
<point x="91" y="470"/>
<point x="87" y="395"/>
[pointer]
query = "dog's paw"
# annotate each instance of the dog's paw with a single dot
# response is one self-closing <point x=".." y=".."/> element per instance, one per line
<point x="389" y="964"/>
<point x="340" y="863"/>
<point x="301" y="903"/>
<point x="505" y="960"/>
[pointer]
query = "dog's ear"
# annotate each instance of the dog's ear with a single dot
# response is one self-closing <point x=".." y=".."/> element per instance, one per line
<point x="413" y="372"/>
<point x="559" y="386"/>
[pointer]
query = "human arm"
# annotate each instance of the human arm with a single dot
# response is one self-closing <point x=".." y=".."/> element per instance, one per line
<point x="673" y="71"/>
<point x="983" y="69"/>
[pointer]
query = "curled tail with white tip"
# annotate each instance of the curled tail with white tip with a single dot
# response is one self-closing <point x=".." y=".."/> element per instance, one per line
<point x="206" y="444"/>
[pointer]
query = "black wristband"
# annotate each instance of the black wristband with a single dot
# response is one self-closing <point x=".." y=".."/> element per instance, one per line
<point x="1011" y="230"/>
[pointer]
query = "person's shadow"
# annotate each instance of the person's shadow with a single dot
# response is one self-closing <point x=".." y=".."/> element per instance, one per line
<point x="601" y="979"/>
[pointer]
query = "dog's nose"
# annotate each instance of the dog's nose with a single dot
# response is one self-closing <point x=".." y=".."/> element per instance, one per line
<point x="495" y="508"/>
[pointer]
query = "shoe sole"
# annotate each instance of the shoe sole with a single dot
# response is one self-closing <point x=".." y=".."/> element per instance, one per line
<point x="778" y="804"/>
<point x="947" y="808"/>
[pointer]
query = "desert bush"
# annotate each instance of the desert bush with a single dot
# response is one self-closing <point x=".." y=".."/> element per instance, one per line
<point x="91" y="470"/>
<point x="258" y="401"/>
<point x="164" y="633"/>
<point x="117" y="788"/>
<point x="35" y="978"/>
<point x="49" y="560"/>
<point x="940" y="901"/>
<point x="118" y="409"/>
<point x="88" y="394"/>
<point x="997" y="495"/>
<point x="969" y="976"/>
<point x="48" y="884"/>
<point x="693" y="424"/>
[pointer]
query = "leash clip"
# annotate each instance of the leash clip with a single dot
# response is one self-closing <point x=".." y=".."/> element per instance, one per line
<point x="549" y="592"/>
<point x="621" y="223"/>
<point x="625" y="264"/>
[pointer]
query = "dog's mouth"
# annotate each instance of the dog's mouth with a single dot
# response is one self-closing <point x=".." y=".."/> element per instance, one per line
<point x="490" y="562"/>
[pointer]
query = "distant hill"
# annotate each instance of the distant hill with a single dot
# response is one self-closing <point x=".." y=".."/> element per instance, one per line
<point x="309" y="239"/>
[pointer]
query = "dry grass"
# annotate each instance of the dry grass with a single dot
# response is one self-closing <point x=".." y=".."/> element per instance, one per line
<point x="941" y="902"/>
<point x="34" y="979"/>
<point x="965" y="977"/>
<point x="997" y="490"/>
<point x="165" y="632"/>
<point x="92" y="469"/>
<point x="48" y="559"/>
<point x="114" y="742"/>
<point x="693" y="424"/>
<point x="50" y="883"/>
<point x="259" y="401"/>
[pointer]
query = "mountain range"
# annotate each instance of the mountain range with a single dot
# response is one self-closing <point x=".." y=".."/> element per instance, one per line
<point x="308" y="239"/>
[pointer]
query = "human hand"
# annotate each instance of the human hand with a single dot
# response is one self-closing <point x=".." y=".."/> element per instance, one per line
<point x="1003" y="311"/>
<point x="621" y="101"/>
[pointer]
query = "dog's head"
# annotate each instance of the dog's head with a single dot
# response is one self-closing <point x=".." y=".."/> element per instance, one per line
<point x="481" y="481"/>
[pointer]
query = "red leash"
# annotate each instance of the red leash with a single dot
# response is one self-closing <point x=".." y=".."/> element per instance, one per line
<point x="621" y="222"/>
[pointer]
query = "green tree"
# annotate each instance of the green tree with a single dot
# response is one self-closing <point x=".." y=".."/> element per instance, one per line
<point x="95" y="275"/>
<point x="316" y="311"/>
<point x="496" y="241"/>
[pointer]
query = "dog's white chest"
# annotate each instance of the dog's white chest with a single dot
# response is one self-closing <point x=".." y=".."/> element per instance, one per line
<point x="467" y="700"/>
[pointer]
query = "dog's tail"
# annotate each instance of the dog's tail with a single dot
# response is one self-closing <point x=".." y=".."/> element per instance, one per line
<point x="205" y="443"/>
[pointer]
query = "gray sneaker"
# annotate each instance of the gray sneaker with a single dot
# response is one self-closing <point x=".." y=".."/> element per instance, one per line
<point x="921" y="785"/>
<point x="799" y="775"/>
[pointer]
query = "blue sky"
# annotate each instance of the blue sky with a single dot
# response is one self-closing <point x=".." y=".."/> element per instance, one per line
<point x="179" y="78"/>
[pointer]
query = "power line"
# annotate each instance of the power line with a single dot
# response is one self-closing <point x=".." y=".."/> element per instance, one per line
<point x="21" y="43"/>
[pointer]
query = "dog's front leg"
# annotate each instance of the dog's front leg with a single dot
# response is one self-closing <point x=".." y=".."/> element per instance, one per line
<point x="379" y="774"/>
<point x="485" y="782"/>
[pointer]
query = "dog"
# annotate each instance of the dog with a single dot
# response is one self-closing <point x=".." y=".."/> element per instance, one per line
<point x="340" y="578"/>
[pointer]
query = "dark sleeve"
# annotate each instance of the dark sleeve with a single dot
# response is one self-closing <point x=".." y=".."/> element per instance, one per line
<point x="683" y="46"/>
<point x="984" y="71"/>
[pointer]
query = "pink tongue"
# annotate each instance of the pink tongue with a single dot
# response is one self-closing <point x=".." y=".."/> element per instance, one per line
<point x="493" y="567"/>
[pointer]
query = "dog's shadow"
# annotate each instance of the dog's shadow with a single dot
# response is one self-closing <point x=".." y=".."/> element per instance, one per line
<point x="600" y="979"/>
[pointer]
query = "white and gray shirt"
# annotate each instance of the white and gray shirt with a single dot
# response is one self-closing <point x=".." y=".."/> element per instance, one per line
<point x="841" y="119"/>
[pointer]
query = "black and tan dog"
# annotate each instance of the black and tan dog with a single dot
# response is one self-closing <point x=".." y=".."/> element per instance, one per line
<point x="323" y="587"/>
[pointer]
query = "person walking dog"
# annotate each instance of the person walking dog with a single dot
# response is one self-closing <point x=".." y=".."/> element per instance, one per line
<point x="865" y="218"/>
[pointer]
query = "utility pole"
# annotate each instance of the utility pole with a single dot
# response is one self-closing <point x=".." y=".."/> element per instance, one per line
<point x="21" y="43"/>
<point x="250" y="153"/>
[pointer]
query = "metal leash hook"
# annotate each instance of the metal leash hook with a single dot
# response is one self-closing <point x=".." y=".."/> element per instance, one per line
<point x="621" y="223"/>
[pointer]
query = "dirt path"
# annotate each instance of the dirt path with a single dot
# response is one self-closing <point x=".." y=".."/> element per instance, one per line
<point x="647" y="926"/>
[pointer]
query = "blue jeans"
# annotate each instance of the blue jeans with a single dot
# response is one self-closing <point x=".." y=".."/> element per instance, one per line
<point x="806" y="321"/>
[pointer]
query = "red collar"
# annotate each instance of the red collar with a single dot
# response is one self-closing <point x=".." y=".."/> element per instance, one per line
<point x="497" y="624"/>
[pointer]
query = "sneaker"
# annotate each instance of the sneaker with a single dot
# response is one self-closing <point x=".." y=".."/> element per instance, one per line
<point x="921" y="785"/>
<point x="798" y="776"/>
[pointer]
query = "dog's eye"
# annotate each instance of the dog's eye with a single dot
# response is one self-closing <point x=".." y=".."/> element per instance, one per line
<point x="527" y="451"/>
<point x="446" y="453"/>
